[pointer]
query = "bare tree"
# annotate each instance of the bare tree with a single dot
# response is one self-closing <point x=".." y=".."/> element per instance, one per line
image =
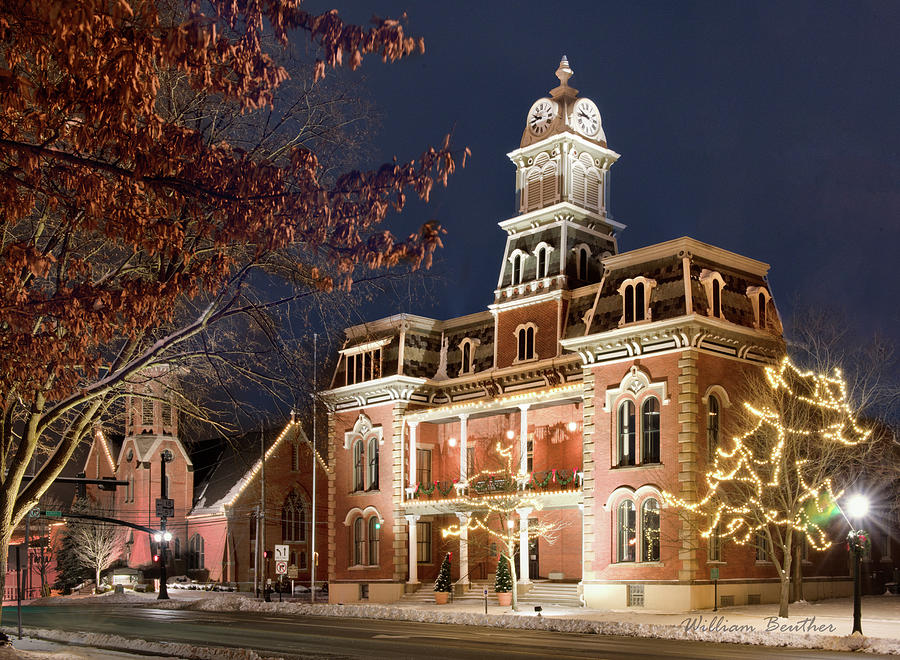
<point x="96" y="544"/>
<point x="799" y="444"/>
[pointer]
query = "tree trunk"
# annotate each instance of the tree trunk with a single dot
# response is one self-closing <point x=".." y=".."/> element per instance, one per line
<point x="511" y="547"/>
<point x="5" y="537"/>
<point x="798" y="574"/>
<point x="97" y="579"/>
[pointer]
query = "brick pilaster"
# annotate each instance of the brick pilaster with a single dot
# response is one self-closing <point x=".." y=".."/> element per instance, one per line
<point x="332" y="489"/>
<point x="398" y="522"/>
<point x="688" y="449"/>
<point x="587" y="461"/>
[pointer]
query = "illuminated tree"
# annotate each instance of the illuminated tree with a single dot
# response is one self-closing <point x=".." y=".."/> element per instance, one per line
<point x="779" y="480"/>
<point x="95" y="544"/>
<point x="497" y="513"/>
<point x="133" y="234"/>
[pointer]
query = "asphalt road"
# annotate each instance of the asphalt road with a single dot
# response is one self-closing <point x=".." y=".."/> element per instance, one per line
<point x="326" y="637"/>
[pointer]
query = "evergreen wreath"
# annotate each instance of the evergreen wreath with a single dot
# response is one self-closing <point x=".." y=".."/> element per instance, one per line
<point x="503" y="582"/>
<point x="424" y="490"/>
<point x="443" y="579"/>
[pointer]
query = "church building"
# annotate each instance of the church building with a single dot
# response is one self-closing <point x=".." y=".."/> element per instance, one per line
<point x="612" y="376"/>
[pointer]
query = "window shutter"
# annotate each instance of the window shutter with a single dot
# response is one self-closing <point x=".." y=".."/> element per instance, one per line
<point x="548" y="185"/>
<point x="533" y="189"/>
<point x="592" y="194"/>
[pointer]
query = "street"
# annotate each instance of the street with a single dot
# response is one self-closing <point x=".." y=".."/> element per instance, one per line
<point x="324" y="637"/>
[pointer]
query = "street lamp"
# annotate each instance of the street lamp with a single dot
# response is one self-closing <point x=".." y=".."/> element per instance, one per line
<point x="857" y="540"/>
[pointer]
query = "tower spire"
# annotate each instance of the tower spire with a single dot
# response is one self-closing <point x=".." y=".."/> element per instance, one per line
<point x="564" y="72"/>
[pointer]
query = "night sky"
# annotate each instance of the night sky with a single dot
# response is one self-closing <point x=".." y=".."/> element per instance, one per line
<point x="766" y="128"/>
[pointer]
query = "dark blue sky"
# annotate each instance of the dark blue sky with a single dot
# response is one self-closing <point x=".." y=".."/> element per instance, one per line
<point x="766" y="128"/>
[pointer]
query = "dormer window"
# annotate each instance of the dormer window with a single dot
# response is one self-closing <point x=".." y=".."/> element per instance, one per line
<point x="713" y="284"/>
<point x="517" y="260"/>
<point x="759" y="300"/>
<point x="542" y="254"/>
<point x="363" y="362"/>
<point x="525" y="335"/>
<point x="467" y="356"/>
<point x="582" y="254"/>
<point x="636" y="300"/>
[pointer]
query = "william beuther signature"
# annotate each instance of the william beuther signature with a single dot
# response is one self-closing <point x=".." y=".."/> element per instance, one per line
<point x="772" y="624"/>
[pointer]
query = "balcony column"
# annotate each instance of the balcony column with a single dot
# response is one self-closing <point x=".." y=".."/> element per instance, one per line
<point x="523" y="437"/>
<point x="413" y="550"/>
<point x="523" y="545"/>
<point x="463" y="447"/>
<point x="412" y="454"/>
<point x="463" y="548"/>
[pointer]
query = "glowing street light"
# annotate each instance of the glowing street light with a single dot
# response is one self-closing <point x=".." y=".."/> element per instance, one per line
<point x="857" y="540"/>
<point x="857" y="506"/>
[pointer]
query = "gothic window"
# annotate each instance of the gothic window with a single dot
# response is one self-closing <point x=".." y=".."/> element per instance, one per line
<point x="423" y="466"/>
<point x="359" y="482"/>
<point x="373" y="464"/>
<point x="358" y="542"/>
<point x="626" y="433"/>
<point x="625" y="531"/>
<point x="636" y="299"/>
<point x="374" y="534"/>
<point x="525" y="342"/>
<point x="293" y="518"/>
<point x="423" y="542"/>
<point x="650" y="530"/>
<point x="582" y="254"/>
<point x="196" y="557"/>
<point x="712" y="425"/>
<point x="542" y="255"/>
<point x="650" y="430"/>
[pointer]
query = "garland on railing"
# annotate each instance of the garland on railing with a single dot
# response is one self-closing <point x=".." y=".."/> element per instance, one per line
<point x="424" y="490"/>
<point x="543" y="483"/>
<point x="445" y="491"/>
<point x="563" y="480"/>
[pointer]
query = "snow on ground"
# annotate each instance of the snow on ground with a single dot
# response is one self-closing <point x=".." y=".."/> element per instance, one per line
<point x="93" y="641"/>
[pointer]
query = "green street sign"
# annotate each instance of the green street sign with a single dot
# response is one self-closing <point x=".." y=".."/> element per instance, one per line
<point x="714" y="573"/>
<point x="53" y="514"/>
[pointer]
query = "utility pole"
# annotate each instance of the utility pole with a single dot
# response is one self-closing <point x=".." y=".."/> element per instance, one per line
<point x="261" y="555"/>
<point x="315" y="555"/>
<point x="164" y="457"/>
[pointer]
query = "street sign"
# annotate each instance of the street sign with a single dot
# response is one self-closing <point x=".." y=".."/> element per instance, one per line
<point x="281" y="553"/>
<point x="292" y="572"/>
<point x="714" y="573"/>
<point x="280" y="567"/>
<point x="35" y="512"/>
<point x="165" y="507"/>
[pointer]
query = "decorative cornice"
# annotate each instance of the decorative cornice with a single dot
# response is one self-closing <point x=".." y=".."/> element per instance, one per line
<point x="686" y="246"/>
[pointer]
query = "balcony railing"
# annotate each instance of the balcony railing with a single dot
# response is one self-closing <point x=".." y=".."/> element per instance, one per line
<point x="555" y="479"/>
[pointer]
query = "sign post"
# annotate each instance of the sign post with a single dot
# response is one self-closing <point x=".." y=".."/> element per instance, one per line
<point x="714" y="576"/>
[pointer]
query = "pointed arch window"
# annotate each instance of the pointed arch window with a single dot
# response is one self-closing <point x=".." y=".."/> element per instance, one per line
<point x="650" y="530"/>
<point x="650" y="430"/>
<point x="373" y="464"/>
<point x="626" y="434"/>
<point x="374" y="537"/>
<point x="712" y="424"/>
<point x="582" y="254"/>
<point x="293" y="518"/>
<point x="359" y="482"/>
<point x="626" y="537"/>
<point x="358" y="542"/>
<point x="196" y="555"/>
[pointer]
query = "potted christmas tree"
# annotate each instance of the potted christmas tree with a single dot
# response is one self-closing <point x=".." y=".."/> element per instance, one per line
<point x="503" y="583"/>
<point x="442" y="585"/>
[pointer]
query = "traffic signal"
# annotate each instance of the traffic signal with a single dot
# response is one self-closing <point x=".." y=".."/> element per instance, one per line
<point x="155" y="559"/>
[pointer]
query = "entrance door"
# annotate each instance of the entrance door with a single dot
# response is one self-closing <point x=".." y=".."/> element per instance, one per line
<point x="534" y="563"/>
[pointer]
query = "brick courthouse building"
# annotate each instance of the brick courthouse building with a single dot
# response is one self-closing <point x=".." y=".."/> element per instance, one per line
<point x="613" y="374"/>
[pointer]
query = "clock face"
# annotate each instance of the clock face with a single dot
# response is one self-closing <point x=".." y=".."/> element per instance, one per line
<point x="541" y="115"/>
<point x="587" y="117"/>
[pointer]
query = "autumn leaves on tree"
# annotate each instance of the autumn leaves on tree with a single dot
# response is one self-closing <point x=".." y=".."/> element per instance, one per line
<point x="129" y="234"/>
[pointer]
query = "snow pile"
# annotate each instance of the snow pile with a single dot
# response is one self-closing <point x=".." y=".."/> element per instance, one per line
<point x="553" y="624"/>
<point x="169" y="649"/>
<point x="111" y="598"/>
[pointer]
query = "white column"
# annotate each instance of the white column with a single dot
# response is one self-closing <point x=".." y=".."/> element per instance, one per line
<point x="523" y="545"/>
<point x="412" y="453"/>
<point x="463" y="548"/>
<point x="463" y="447"/>
<point x="413" y="550"/>
<point x="523" y="437"/>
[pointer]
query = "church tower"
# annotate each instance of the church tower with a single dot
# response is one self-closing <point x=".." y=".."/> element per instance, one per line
<point x="563" y="229"/>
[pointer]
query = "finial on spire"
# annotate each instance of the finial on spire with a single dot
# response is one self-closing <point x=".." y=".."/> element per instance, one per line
<point x="564" y="72"/>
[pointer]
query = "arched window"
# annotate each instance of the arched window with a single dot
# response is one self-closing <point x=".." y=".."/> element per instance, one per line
<point x="629" y="304"/>
<point x="582" y="265"/>
<point x="525" y="339"/>
<point x="650" y="431"/>
<point x="358" y="466"/>
<point x="177" y="548"/>
<point x="626" y="448"/>
<point x="639" y="301"/>
<point x="293" y="518"/>
<point x="716" y="299"/>
<point x="761" y="303"/>
<point x="358" y="542"/>
<point x="466" y="358"/>
<point x="373" y="464"/>
<point x="543" y="257"/>
<point x="650" y="530"/>
<point x="196" y="558"/>
<point x="625" y="532"/>
<point x="374" y="534"/>
<point x="518" y="267"/>
<point x="712" y="425"/>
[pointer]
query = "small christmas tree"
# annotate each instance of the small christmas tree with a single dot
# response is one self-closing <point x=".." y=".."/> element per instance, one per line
<point x="443" y="579"/>
<point x="503" y="581"/>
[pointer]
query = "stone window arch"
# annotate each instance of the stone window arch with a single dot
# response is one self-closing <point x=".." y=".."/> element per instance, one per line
<point x="542" y="259"/>
<point x="526" y="335"/>
<point x="467" y="355"/>
<point x="714" y="285"/>
<point x="293" y="517"/>
<point x="582" y="261"/>
<point x="517" y="267"/>
<point x="626" y="531"/>
<point x="635" y="294"/>
<point x="759" y="300"/>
